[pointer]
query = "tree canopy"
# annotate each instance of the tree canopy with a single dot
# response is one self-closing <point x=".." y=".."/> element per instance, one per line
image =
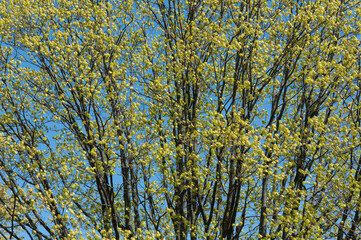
<point x="180" y="119"/>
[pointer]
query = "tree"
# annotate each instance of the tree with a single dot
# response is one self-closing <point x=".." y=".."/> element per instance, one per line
<point x="148" y="119"/>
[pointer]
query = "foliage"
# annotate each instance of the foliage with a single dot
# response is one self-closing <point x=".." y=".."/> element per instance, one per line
<point x="196" y="119"/>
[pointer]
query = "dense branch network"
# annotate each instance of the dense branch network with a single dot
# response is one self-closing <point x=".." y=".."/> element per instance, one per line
<point x="175" y="119"/>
